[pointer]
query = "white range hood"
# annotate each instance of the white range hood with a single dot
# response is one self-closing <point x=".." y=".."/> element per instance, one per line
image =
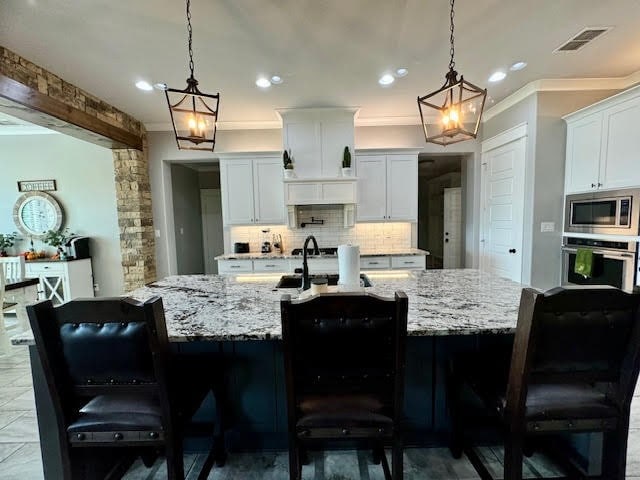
<point x="320" y="191"/>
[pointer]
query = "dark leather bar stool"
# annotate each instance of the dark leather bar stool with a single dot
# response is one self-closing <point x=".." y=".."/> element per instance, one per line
<point x="573" y="369"/>
<point x="117" y="391"/>
<point x="344" y="362"/>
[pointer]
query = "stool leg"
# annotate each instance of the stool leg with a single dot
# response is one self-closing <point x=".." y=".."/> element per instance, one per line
<point x="397" y="460"/>
<point x="456" y="439"/>
<point x="295" y="467"/>
<point x="175" y="461"/>
<point x="614" y="454"/>
<point x="513" y="447"/>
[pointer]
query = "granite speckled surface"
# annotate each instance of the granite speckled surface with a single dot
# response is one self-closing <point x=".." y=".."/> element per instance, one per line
<point x="363" y="253"/>
<point x="441" y="302"/>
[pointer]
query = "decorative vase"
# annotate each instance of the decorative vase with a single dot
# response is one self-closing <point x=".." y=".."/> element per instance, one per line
<point x="346" y="171"/>
<point x="289" y="173"/>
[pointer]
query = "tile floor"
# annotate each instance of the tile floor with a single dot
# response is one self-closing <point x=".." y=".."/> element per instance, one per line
<point x="20" y="450"/>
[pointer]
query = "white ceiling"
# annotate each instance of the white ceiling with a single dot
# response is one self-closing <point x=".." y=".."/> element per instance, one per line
<point x="329" y="52"/>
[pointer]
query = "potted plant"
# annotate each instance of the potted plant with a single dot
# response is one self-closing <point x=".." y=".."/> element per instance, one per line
<point x="57" y="238"/>
<point x="346" y="162"/>
<point x="7" y="240"/>
<point x="287" y="160"/>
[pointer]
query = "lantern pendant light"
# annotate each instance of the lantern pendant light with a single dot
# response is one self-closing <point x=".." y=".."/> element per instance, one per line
<point x="194" y="114"/>
<point x="452" y="114"/>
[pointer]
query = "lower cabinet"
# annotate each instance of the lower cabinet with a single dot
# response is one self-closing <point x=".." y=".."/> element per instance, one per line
<point x="319" y="265"/>
<point x="61" y="281"/>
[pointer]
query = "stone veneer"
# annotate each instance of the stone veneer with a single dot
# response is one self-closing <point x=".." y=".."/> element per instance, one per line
<point x="133" y="187"/>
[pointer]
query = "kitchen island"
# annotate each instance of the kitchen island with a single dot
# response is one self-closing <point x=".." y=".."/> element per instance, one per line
<point x="239" y="317"/>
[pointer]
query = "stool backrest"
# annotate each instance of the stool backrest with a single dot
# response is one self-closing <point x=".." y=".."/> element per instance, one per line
<point x="13" y="268"/>
<point x="91" y="347"/>
<point x="576" y="336"/>
<point x="345" y="344"/>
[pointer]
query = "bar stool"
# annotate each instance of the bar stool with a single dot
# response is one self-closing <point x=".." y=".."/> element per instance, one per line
<point x="344" y="360"/>
<point x="573" y="369"/>
<point x="108" y="368"/>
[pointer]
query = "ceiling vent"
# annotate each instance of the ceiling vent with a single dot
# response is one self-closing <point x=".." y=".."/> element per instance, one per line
<point x="582" y="38"/>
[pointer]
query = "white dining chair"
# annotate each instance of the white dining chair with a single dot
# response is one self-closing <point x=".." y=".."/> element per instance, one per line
<point x="13" y="268"/>
<point x="4" y="336"/>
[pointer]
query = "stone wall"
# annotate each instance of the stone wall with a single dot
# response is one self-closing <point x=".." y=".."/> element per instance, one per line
<point x="133" y="188"/>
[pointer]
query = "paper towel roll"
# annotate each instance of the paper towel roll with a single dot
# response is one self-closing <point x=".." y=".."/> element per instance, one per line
<point x="349" y="266"/>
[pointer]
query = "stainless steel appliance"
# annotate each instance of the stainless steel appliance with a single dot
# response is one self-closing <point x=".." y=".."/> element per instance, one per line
<point x="615" y="263"/>
<point x="616" y="212"/>
<point x="241" y="247"/>
<point x="77" y="248"/>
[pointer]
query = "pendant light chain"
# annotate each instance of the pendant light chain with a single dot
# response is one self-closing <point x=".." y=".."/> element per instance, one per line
<point x="190" y="30"/>
<point x="452" y="51"/>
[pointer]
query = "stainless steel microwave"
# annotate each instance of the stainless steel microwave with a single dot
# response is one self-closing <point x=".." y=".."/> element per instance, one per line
<point x="615" y="212"/>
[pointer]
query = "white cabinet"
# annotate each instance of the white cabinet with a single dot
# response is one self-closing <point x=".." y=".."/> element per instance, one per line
<point x="409" y="262"/>
<point x="234" y="266"/>
<point x="62" y="281"/>
<point x="603" y="145"/>
<point x="375" y="263"/>
<point x="252" y="191"/>
<point x="271" y="265"/>
<point x="388" y="187"/>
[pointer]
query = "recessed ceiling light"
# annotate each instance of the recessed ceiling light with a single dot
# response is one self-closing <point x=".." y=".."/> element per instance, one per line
<point x="386" y="79"/>
<point x="402" y="72"/>
<point x="263" y="82"/>
<point x="497" y="76"/>
<point x="144" y="85"/>
<point x="517" y="66"/>
<point x="276" y="80"/>
<point x="160" y="86"/>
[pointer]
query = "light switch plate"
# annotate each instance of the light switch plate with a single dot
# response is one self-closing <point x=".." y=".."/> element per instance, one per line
<point x="157" y="233"/>
<point x="547" y="227"/>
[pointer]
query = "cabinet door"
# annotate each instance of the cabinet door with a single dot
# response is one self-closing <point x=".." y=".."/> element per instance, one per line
<point x="371" y="171"/>
<point x="583" y="154"/>
<point x="335" y="136"/>
<point x="620" y="165"/>
<point x="402" y="187"/>
<point x="268" y="191"/>
<point x="236" y="183"/>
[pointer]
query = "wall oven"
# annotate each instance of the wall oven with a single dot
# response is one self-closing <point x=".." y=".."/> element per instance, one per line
<point x="616" y="212"/>
<point x="614" y="263"/>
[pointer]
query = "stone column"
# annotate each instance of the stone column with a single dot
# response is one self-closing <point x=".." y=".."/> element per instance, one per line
<point x="135" y="217"/>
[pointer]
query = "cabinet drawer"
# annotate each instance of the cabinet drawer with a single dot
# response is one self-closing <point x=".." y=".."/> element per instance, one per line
<point x="271" y="265"/>
<point x="408" y="261"/>
<point x="372" y="263"/>
<point x="233" y="266"/>
<point x="44" y="268"/>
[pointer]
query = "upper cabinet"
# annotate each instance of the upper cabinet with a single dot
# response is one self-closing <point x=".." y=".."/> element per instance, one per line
<point x="252" y="192"/>
<point x="387" y="187"/>
<point x="603" y="145"/>
<point x="316" y="138"/>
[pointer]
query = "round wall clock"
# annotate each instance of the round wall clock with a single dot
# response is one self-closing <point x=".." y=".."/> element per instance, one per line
<point x="36" y="212"/>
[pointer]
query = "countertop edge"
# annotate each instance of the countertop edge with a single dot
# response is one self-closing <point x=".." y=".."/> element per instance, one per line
<point x="287" y="256"/>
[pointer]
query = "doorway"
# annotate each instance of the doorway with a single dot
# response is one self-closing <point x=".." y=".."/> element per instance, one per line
<point x="197" y="212"/>
<point x="440" y="210"/>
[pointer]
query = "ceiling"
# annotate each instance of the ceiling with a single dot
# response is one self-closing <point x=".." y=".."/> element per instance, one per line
<point x="329" y="52"/>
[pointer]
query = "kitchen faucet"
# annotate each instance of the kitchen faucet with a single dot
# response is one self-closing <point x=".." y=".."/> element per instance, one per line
<point x="306" y="284"/>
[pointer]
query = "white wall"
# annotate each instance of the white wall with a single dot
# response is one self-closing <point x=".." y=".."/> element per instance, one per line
<point x="86" y="191"/>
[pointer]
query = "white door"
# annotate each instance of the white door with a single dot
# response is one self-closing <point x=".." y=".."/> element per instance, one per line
<point x="212" y="238"/>
<point x="371" y="171"/>
<point x="583" y="154"/>
<point x="452" y="235"/>
<point x="268" y="191"/>
<point x="236" y="182"/>
<point x="402" y="187"/>
<point x="620" y="165"/>
<point x="503" y="209"/>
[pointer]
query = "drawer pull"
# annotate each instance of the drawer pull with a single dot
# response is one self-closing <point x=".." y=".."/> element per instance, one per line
<point x="270" y="266"/>
<point x="374" y="263"/>
<point x="235" y="266"/>
<point x="409" y="263"/>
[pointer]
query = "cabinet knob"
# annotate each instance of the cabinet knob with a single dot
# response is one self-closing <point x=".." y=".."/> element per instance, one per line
<point x="512" y="250"/>
<point x="593" y="185"/>
<point x="599" y="184"/>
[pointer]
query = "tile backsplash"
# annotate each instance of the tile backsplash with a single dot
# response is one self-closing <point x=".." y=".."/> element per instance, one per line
<point x="369" y="236"/>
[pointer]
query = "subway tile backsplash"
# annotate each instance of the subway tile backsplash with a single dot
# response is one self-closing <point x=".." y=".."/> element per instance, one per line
<point x="369" y="236"/>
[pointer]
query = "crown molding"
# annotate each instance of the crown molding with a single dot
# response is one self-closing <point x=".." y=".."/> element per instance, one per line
<point x="561" y="85"/>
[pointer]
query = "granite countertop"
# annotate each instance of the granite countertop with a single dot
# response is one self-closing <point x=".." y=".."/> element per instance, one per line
<point x="441" y="302"/>
<point x="363" y="253"/>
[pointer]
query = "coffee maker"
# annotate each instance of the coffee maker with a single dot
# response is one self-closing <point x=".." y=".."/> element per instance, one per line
<point x="265" y="244"/>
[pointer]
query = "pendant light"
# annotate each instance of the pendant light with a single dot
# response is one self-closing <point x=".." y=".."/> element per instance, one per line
<point x="194" y="114"/>
<point x="452" y="113"/>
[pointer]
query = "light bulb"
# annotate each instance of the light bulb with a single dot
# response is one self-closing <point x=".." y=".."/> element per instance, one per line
<point x="453" y="114"/>
<point x="202" y="126"/>
<point x="192" y="122"/>
<point x="445" y="120"/>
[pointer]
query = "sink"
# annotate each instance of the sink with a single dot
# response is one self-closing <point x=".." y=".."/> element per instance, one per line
<point x="295" y="281"/>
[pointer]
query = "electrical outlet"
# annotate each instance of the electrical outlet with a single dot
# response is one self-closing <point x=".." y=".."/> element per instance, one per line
<point x="96" y="287"/>
<point x="157" y="233"/>
<point x="546" y="227"/>
<point x="181" y="231"/>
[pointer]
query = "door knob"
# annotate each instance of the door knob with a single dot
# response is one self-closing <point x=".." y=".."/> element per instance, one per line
<point x="512" y="250"/>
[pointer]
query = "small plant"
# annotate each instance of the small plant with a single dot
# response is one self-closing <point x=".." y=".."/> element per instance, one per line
<point x="7" y="240"/>
<point x="346" y="158"/>
<point x="56" y="238"/>
<point x="287" y="160"/>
